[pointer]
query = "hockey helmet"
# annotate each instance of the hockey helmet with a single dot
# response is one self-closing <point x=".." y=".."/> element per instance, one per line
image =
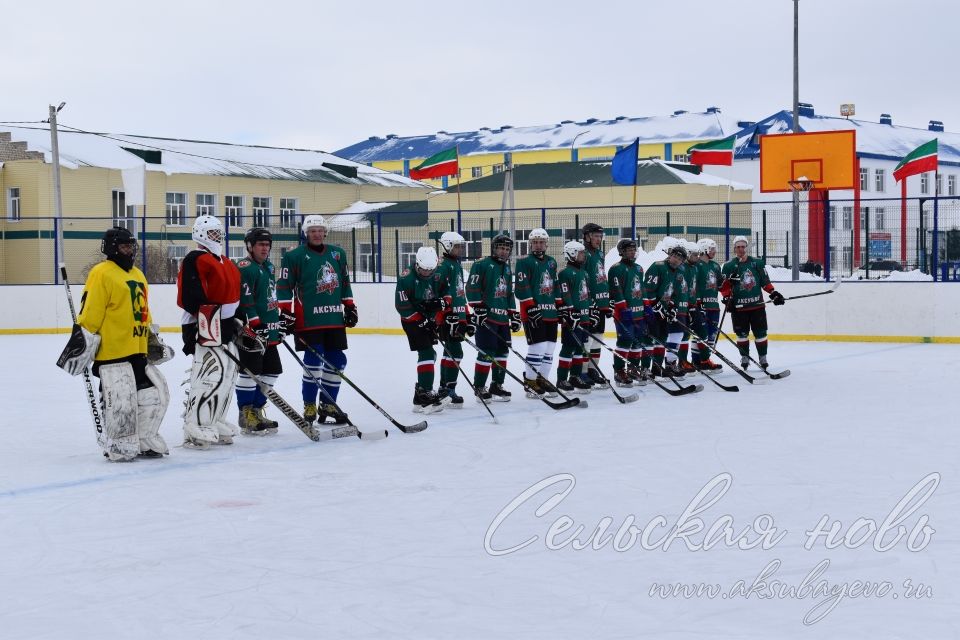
<point x="742" y="239"/>
<point x="255" y="235"/>
<point x="625" y="243"/>
<point x="450" y="239"/>
<point x="679" y="251"/>
<point x="540" y="235"/>
<point x="427" y="259"/>
<point x="706" y="245"/>
<point x="501" y="240"/>
<point x="591" y="227"/>
<point x="208" y="233"/>
<point x="113" y="238"/>
<point x="313" y="220"/>
<point x="693" y="249"/>
<point x="572" y="250"/>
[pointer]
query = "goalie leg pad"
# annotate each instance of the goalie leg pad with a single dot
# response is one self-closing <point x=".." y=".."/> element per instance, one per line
<point x="152" y="405"/>
<point x="119" y="398"/>
<point x="212" y="380"/>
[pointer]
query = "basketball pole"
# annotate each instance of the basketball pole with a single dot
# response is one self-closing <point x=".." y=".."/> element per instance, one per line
<point x="795" y="223"/>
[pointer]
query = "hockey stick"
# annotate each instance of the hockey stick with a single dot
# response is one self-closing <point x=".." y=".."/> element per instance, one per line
<point x="552" y="387"/>
<point x="809" y="295"/>
<point x="681" y="391"/>
<point x="280" y="403"/>
<point x="633" y="397"/>
<point x="553" y="405"/>
<point x="369" y="435"/>
<point x="469" y="382"/>
<point x="731" y="388"/>
<point x="413" y="428"/>
<point x="88" y="383"/>
<point x="743" y="374"/>
<point x="772" y="376"/>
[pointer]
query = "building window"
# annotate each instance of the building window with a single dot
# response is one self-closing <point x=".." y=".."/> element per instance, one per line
<point x="939" y="184"/>
<point x="206" y="204"/>
<point x="476" y="172"/>
<point x="864" y="212"/>
<point x="13" y="203"/>
<point x="681" y="157"/>
<point x="238" y="251"/>
<point x="366" y="261"/>
<point x="924" y="183"/>
<point x="520" y="245"/>
<point x="880" y="179"/>
<point x="408" y="254"/>
<point x="288" y="213"/>
<point x="175" y="255"/>
<point x="474" y="249"/>
<point x="951" y="185"/>
<point x="847" y="218"/>
<point x="261" y="212"/>
<point x="879" y="218"/>
<point x="123" y="215"/>
<point x="833" y="217"/>
<point x="176" y="209"/>
<point x="233" y="210"/>
<point x="847" y="258"/>
<point x="498" y="168"/>
<point x="864" y="179"/>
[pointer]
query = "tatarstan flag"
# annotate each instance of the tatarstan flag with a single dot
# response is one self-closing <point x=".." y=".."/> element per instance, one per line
<point x="445" y="163"/>
<point x="921" y="159"/>
<point x="713" y="152"/>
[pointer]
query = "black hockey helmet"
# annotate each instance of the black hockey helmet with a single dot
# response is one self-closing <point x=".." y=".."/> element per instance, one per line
<point x="591" y="227"/>
<point x="501" y="239"/>
<point x="625" y="243"/>
<point x="113" y="238"/>
<point x="678" y="251"/>
<point x="257" y="234"/>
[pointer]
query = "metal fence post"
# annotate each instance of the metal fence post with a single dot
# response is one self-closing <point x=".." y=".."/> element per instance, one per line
<point x="543" y="217"/>
<point x="866" y="263"/>
<point x="353" y="250"/>
<point x="56" y="252"/>
<point x="396" y="251"/>
<point x="726" y="225"/>
<point x="633" y="221"/>
<point x="143" y="237"/>
<point x="935" y="259"/>
<point x="668" y="223"/>
<point x="459" y="221"/>
<point x="827" y="258"/>
<point x="226" y="235"/>
<point x="764" y="226"/>
<point x="379" y="247"/>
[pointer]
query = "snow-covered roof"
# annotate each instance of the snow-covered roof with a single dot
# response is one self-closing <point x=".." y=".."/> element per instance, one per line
<point x="681" y="126"/>
<point x="874" y="140"/>
<point x="78" y="149"/>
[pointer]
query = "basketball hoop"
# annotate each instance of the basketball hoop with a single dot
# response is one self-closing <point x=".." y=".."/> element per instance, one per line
<point x="800" y="184"/>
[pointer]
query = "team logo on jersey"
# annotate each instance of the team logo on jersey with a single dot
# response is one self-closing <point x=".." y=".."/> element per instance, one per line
<point x="138" y="300"/>
<point x="460" y="291"/>
<point x="637" y="291"/>
<point x="668" y="293"/>
<point x="335" y="255"/>
<point x="584" y="290"/>
<point x="601" y="276"/>
<point x="546" y="284"/>
<point x="748" y="281"/>
<point x="501" y="289"/>
<point x="327" y="280"/>
<point x="712" y="279"/>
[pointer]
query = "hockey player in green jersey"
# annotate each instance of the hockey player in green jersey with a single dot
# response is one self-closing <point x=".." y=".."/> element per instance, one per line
<point x="595" y="269"/>
<point x="626" y="297"/>
<point x="537" y="292"/>
<point x="574" y="302"/>
<point x="690" y="273"/>
<point x="314" y="285"/>
<point x="452" y="321"/>
<point x="708" y="286"/>
<point x="261" y="316"/>
<point x="417" y="301"/>
<point x="745" y="280"/>
<point x="490" y="293"/>
<point x="663" y="294"/>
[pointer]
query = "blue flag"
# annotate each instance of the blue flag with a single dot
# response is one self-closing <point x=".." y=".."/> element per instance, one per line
<point x="624" y="169"/>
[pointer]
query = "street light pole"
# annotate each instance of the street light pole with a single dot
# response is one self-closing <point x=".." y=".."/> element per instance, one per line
<point x="795" y="226"/>
<point x="573" y="145"/>
<point x="57" y="195"/>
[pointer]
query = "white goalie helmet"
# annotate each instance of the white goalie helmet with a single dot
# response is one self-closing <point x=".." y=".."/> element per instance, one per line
<point x="313" y="220"/>
<point x="427" y="258"/>
<point x="450" y="239"/>
<point x="572" y="249"/>
<point x="539" y="234"/>
<point x="208" y="233"/>
<point x="706" y="245"/>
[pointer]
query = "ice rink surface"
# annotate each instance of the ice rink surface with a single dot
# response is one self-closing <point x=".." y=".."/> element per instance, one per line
<point x="280" y="537"/>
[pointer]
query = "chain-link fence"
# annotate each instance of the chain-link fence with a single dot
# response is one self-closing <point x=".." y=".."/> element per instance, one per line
<point x="866" y="238"/>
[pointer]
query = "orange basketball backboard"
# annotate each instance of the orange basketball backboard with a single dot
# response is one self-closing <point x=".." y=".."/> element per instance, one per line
<point x="827" y="158"/>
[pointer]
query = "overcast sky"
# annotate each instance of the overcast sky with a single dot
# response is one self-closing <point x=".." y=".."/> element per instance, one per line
<point x="323" y="75"/>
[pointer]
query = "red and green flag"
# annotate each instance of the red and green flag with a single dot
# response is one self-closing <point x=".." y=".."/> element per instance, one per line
<point x="713" y="152"/>
<point x="445" y="163"/>
<point x="920" y="160"/>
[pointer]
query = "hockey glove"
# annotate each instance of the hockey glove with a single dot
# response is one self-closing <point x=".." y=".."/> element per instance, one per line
<point x="80" y="350"/>
<point x="777" y="298"/>
<point x="566" y="316"/>
<point x="158" y="352"/>
<point x="428" y="325"/>
<point x="586" y="321"/>
<point x="431" y="306"/>
<point x="189" y="334"/>
<point x="287" y="322"/>
<point x="607" y="312"/>
<point x="350" y="315"/>
<point x="534" y="317"/>
<point x="596" y="317"/>
<point x="728" y="304"/>
<point x="665" y="310"/>
<point x="514" y="321"/>
<point x="479" y="316"/>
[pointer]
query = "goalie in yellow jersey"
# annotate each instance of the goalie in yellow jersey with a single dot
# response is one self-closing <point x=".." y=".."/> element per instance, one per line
<point x="113" y="332"/>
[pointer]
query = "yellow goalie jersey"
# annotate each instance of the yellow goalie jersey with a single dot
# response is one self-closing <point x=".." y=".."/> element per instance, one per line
<point x="114" y="304"/>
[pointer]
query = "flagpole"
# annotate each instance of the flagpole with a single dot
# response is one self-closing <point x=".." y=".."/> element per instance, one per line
<point x="459" y="208"/>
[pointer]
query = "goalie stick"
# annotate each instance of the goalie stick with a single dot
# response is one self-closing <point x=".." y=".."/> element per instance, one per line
<point x="369" y="435"/>
<point x="413" y="428"/>
<point x="88" y="383"/>
<point x="553" y="405"/>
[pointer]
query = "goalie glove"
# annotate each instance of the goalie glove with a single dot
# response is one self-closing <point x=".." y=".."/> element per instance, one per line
<point x="158" y="351"/>
<point x="80" y="350"/>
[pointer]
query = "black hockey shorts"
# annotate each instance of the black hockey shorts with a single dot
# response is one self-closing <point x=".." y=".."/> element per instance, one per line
<point x="487" y="337"/>
<point x="266" y="363"/>
<point x="544" y="332"/>
<point x="753" y="320"/>
<point x="333" y="339"/>
<point x="569" y="337"/>
<point x="419" y="338"/>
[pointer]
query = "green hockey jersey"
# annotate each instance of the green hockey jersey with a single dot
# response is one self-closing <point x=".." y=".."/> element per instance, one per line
<point x="597" y="279"/>
<point x="537" y="286"/>
<point x="258" y="297"/>
<point x="753" y="280"/>
<point x="664" y="284"/>
<point x="574" y="290"/>
<point x="708" y="284"/>
<point x="625" y="280"/>
<point x="450" y="276"/>
<point x="413" y="294"/>
<point x="317" y="284"/>
<point x="491" y="285"/>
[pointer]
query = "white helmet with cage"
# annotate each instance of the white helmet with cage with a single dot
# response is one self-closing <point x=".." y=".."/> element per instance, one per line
<point x="706" y="245"/>
<point x="208" y="233"/>
<point x="539" y="234"/>
<point x="450" y="239"/>
<point x="572" y="249"/>
<point x="313" y="220"/>
<point x="427" y="258"/>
